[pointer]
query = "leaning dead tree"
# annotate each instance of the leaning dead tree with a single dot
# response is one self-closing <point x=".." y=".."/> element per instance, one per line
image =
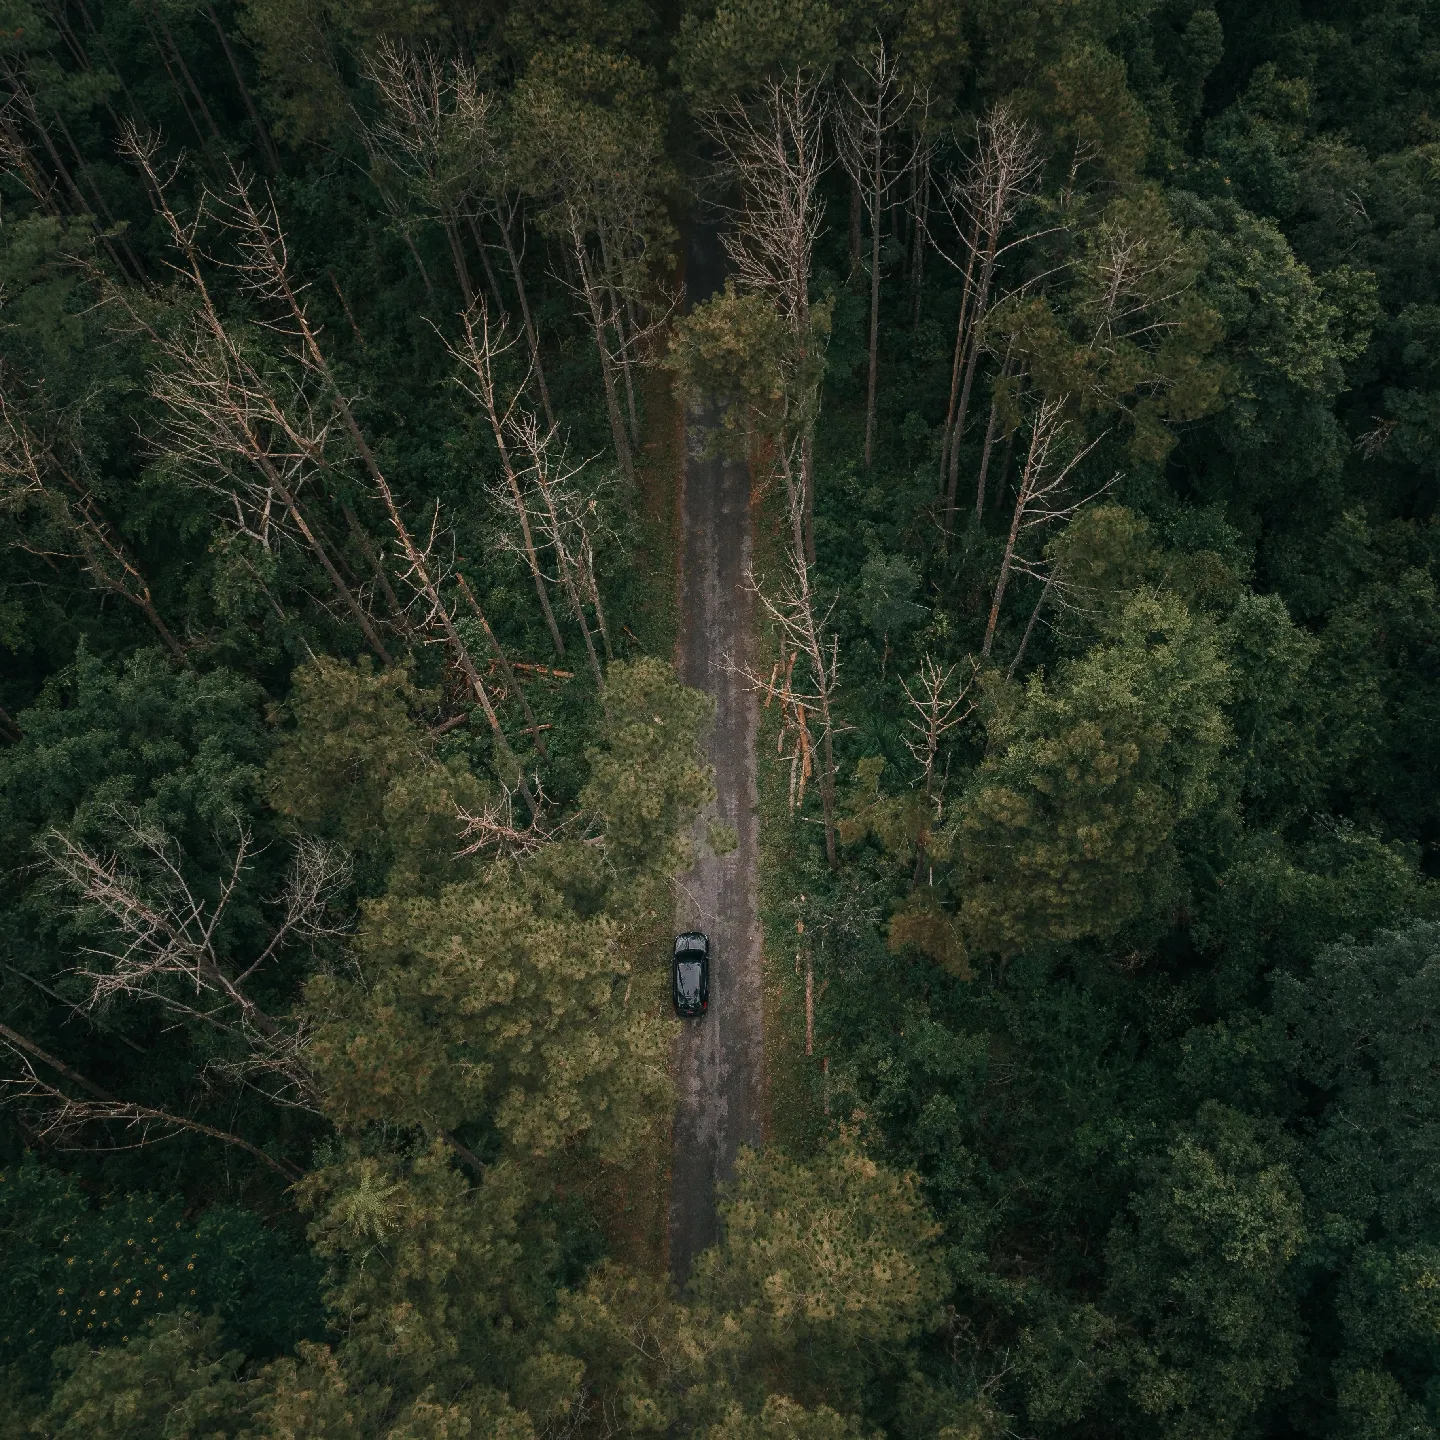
<point x="56" y="1115"/>
<point x="563" y="517"/>
<point x="237" y="407"/>
<point x="160" y="937"/>
<point x="159" y="943"/>
<point x="226" y="422"/>
<point x="804" y="680"/>
<point x="869" y="124"/>
<point x="592" y="169"/>
<point x="481" y="344"/>
<point x="537" y="487"/>
<point x="263" y="270"/>
<point x="33" y="475"/>
<point x="1045" y="497"/>
<point x="984" y="199"/>
<point x="776" y="153"/>
<point x="417" y="140"/>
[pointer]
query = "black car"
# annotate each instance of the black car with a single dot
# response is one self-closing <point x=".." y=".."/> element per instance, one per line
<point x="690" y="974"/>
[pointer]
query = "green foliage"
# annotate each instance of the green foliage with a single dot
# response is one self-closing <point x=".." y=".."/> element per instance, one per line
<point x="826" y="1270"/>
<point x="1064" y="831"/>
<point x="171" y="1381"/>
<point x="502" y="996"/>
<point x="95" y="1278"/>
<point x="746" y="42"/>
<point x="1202" y="1269"/>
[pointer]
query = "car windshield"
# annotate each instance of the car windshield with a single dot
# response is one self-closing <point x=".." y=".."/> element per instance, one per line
<point x="687" y="980"/>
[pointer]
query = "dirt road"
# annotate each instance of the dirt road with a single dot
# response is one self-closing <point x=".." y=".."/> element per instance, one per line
<point x="717" y="1059"/>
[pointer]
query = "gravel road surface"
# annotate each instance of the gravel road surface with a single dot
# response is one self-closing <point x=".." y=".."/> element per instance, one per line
<point x="717" y="1059"/>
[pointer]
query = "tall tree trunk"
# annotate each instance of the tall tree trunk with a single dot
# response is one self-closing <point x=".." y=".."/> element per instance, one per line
<point x="1004" y="578"/>
<point x="418" y="568"/>
<point x="1034" y="616"/>
<point x="917" y="268"/>
<point x="990" y="432"/>
<point x="617" y="310"/>
<point x="287" y="498"/>
<point x="981" y="299"/>
<point x="530" y="335"/>
<point x="490" y="279"/>
<point x="947" y="439"/>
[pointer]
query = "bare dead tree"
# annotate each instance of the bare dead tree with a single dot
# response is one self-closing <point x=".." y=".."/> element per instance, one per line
<point x="476" y="353"/>
<point x="31" y="472"/>
<point x="993" y="426"/>
<point x="984" y="199"/>
<point x="226" y="422"/>
<point x="441" y="130"/>
<point x="776" y="152"/>
<point x="1130" y="278"/>
<point x="61" y="1115"/>
<point x="263" y="270"/>
<point x="920" y="201"/>
<point x="867" y="129"/>
<point x="162" y="934"/>
<point x="1045" y="590"/>
<point x="593" y="168"/>
<point x="1044" y="497"/>
<point x="559" y="514"/>
<point x="939" y="705"/>
<point x="410" y="139"/>
<point x="809" y="645"/>
<point x="494" y="829"/>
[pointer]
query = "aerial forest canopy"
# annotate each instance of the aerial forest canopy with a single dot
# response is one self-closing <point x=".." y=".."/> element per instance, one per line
<point x="1085" y="359"/>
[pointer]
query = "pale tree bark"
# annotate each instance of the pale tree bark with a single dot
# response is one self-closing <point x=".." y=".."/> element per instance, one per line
<point x="504" y="214"/>
<point x="220" y="408"/>
<point x="511" y="683"/>
<point x="776" y="151"/>
<point x="161" y="941"/>
<point x="1044" y="498"/>
<point x="560" y="516"/>
<point x="985" y="199"/>
<point x="593" y="292"/>
<point x="62" y="1114"/>
<point x="939" y="705"/>
<point x="428" y="106"/>
<point x="264" y="271"/>
<point x="791" y="603"/>
<point x="990" y="430"/>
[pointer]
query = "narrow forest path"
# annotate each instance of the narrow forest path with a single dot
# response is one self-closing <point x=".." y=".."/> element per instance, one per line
<point x="717" y="1059"/>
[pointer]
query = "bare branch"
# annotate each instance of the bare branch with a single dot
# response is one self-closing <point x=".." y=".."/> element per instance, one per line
<point x="939" y="707"/>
